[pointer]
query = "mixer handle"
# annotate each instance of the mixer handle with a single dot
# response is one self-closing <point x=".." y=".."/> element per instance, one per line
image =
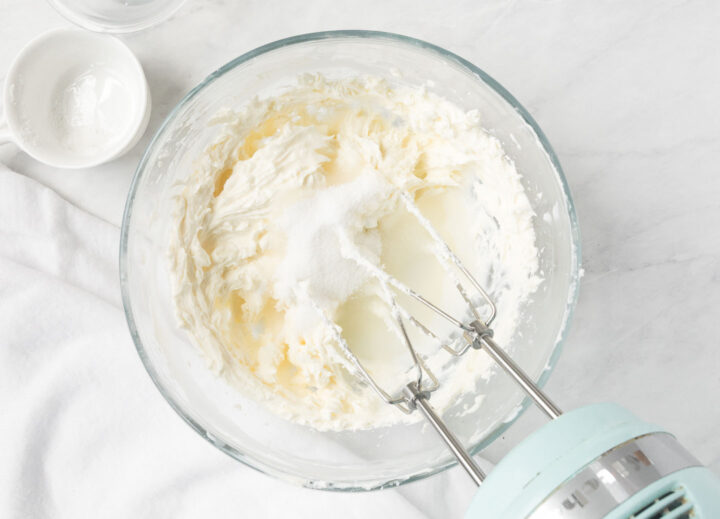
<point x="483" y="340"/>
<point x="418" y="399"/>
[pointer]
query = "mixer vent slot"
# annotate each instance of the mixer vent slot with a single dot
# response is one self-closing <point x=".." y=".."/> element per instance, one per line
<point x="669" y="505"/>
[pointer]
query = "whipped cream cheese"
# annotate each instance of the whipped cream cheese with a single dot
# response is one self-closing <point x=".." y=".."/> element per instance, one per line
<point x="296" y="192"/>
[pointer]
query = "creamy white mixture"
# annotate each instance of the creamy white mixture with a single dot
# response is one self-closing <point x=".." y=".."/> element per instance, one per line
<point x="296" y="193"/>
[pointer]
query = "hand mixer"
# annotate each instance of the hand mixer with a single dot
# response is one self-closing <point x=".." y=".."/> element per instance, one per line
<point x="599" y="461"/>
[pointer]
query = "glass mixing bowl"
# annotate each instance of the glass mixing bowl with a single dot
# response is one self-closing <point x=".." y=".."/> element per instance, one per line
<point x="360" y="460"/>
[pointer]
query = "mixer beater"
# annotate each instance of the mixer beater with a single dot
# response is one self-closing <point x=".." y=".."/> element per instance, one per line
<point x="598" y="461"/>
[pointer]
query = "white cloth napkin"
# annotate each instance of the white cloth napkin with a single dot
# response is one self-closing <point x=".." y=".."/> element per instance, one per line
<point x="83" y="431"/>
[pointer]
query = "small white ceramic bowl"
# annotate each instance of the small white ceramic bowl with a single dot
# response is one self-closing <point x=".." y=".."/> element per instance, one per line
<point x="75" y="99"/>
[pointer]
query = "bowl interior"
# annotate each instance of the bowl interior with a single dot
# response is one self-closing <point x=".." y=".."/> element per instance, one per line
<point x="348" y="460"/>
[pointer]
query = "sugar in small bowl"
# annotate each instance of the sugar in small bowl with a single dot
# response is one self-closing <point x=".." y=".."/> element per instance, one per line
<point x="75" y="99"/>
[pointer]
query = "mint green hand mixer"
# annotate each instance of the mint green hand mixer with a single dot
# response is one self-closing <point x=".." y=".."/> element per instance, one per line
<point x="599" y="461"/>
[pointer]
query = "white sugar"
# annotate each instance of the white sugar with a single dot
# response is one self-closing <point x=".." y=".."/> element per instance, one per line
<point x="315" y="263"/>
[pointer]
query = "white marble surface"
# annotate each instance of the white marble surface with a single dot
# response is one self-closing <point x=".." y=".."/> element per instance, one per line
<point x="627" y="92"/>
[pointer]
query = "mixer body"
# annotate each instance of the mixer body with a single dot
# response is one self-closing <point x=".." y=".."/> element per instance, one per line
<point x="599" y="461"/>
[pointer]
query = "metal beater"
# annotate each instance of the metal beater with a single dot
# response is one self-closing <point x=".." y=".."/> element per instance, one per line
<point x="477" y="334"/>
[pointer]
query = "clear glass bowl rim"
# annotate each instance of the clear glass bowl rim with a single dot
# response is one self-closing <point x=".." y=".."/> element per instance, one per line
<point x="114" y="28"/>
<point x="368" y="35"/>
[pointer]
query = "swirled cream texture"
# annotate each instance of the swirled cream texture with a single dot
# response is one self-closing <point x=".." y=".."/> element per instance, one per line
<point x="285" y="212"/>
